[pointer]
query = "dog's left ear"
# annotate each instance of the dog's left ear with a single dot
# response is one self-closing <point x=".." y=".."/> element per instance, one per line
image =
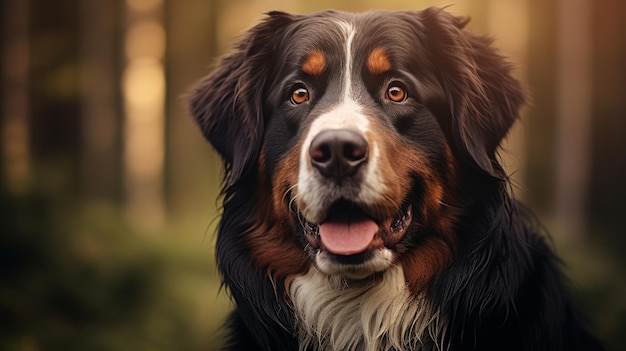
<point x="484" y="100"/>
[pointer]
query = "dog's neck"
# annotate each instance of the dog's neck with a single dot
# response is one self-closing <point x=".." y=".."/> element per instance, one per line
<point x="372" y="315"/>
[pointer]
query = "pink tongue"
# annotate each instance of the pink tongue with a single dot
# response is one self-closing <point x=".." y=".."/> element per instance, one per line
<point x="341" y="238"/>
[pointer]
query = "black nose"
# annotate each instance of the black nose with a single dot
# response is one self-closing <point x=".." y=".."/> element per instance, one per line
<point x="338" y="153"/>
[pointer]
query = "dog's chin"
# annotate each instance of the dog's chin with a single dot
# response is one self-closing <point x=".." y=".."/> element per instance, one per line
<point x="355" y="267"/>
<point x="353" y="245"/>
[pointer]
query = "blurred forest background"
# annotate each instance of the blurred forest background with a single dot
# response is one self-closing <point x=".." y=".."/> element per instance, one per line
<point x="108" y="192"/>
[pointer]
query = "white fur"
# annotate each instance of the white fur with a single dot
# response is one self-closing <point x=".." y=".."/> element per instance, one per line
<point x="315" y="192"/>
<point x="374" y="314"/>
<point x="349" y="32"/>
<point x="382" y="259"/>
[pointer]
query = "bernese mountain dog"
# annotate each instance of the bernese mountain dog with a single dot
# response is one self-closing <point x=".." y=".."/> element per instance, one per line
<point x="364" y="206"/>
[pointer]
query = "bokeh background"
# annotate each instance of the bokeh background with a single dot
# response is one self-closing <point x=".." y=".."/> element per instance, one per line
<point x="108" y="192"/>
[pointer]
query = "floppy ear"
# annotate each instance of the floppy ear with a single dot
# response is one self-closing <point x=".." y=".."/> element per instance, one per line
<point x="484" y="99"/>
<point x="228" y="103"/>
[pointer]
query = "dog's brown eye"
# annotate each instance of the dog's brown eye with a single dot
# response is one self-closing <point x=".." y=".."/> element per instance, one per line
<point x="299" y="96"/>
<point x="396" y="93"/>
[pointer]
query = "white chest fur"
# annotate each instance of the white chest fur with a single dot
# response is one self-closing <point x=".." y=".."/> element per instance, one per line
<point x="373" y="315"/>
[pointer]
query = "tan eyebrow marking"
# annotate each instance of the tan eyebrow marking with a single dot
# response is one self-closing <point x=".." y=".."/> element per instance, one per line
<point x="378" y="62"/>
<point x="315" y="63"/>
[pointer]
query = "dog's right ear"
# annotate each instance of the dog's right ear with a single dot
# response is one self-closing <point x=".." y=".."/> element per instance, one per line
<point x="228" y="103"/>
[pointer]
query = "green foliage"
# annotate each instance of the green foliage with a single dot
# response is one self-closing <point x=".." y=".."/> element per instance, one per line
<point x="84" y="281"/>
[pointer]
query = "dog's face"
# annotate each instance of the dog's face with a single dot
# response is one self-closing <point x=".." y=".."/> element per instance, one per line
<point x="358" y="138"/>
<point x="357" y="149"/>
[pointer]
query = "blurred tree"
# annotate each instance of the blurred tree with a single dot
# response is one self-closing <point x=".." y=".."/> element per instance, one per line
<point x="191" y="54"/>
<point x="573" y="152"/>
<point x="99" y="101"/>
<point x="608" y="188"/>
<point x="16" y="157"/>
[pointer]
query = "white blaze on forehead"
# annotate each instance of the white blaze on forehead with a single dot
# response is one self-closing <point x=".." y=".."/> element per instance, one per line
<point x="348" y="31"/>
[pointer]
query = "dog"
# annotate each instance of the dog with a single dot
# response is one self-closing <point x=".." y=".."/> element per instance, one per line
<point x="364" y="206"/>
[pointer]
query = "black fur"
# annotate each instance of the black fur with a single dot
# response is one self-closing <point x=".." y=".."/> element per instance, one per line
<point x="503" y="289"/>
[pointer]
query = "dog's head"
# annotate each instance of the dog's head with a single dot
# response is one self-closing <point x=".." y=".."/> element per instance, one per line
<point x="356" y="140"/>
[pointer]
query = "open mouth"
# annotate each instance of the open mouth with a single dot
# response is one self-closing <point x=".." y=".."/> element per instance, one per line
<point x="348" y="233"/>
